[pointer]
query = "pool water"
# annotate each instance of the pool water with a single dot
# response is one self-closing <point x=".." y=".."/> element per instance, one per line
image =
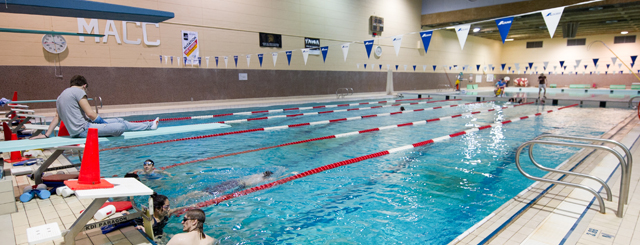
<point x="427" y="195"/>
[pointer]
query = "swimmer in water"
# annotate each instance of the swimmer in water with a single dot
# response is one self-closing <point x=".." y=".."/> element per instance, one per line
<point x="234" y="184"/>
<point x="150" y="171"/>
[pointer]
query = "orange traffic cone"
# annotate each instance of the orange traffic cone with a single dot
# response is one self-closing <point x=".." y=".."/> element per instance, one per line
<point x="16" y="156"/>
<point x="62" y="131"/>
<point x="90" y="167"/>
<point x="7" y="131"/>
<point x="15" y="98"/>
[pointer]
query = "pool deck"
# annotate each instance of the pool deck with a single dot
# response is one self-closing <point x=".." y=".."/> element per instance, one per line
<point x="538" y="215"/>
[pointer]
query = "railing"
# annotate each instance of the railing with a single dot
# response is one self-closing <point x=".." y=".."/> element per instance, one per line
<point x="631" y="101"/>
<point x="626" y="166"/>
<point x="342" y="92"/>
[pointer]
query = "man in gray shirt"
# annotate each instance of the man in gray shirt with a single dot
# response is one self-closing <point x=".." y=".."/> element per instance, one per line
<point x="72" y="107"/>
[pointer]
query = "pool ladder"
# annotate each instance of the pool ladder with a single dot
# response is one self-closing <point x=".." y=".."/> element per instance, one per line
<point x="342" y="92"/>
<point x="624" y="164"/>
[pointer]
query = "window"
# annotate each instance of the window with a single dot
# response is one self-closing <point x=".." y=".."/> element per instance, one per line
<point x="624" y="39"/>
<point x="576" y="42"/>
<point x="534" y="44"/>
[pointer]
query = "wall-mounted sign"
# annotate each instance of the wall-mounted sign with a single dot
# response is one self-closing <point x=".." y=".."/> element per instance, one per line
<point x="270" y="40"/>
<point x="111" y="29"/>
<point x="313" y="44"/>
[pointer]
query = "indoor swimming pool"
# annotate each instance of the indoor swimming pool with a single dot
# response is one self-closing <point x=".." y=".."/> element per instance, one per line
<point x="425" y="195"/>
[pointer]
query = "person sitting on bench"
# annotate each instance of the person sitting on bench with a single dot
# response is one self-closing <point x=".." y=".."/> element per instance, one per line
<point x="72" y="107"/>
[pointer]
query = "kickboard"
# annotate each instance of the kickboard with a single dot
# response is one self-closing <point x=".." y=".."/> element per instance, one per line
<point x="59" y="177"/>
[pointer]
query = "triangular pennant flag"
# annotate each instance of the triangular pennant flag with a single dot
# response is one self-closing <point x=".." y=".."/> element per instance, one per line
<point x="368" y="45"/>
<point x="373" y="66"/>
<point x="608" y="66"/>
<point x="161" y="59"/>
<point x="434" y="68"/>
<point x="207" y="58"/>
<point x="463" y="68"/>
<point x="561" y="63"/>
<point x="248" y="60"/>
<point x="633" y="58"/>
<point x="595" y="62"/>
<point x="493" y="68"/>
<point x="578" y="62"/>
<point x="546" y="64"/>
<point x="477" y="67"/>
<point x="388" y="66"/>
<point x="305" y="54"/>
<point x="426" y="39"/>
<point x="226" y="61"/>
<point x="380" y="66"/>
<point x="552" y="18"/>
<point x="504" y="25"/>
<point x="358" y="65"/>
<point x="565" y="67"/>
<point x="199" y="61"/>
<point x="274" y="55"/>
<point x="365" y="66"/>
<point x="396" y="67"/>
<point x="530" y="65"/>
<point x="462" y="31"/>
<point x="405" y="67"/>
<point x="414" y="67"/>
<point x="345" y="51"/>
<point x="185" y="61"/>
<point x="397" y="41"/>
<point x="502" y="65"/>
<point x="235" y="59"/>
<point x="166" y="59"/>
<point x="424" y="68"/>
<point x="613" y="60"/>
<point x="288" y="53"/>
<point x="535" y="68"/>
<point x="619" y="65"/>
<point x="517" y="66"/>
<point x="509" y="68"/>
<point x="260" y="57"/>
<point x="172" y="60"/>
<point x="585" y="67"/>
<point x="555" y="67"/>
<point x="324" y="51"/>
<point x="216" y="61"/>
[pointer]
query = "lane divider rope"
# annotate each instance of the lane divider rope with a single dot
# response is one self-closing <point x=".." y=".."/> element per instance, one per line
<point x="338" y="136"/>
<point x="280" y="110"/>
<point x="332" y="111"/>
<point x="286" y="126"/>
<point x="355" y="160"/>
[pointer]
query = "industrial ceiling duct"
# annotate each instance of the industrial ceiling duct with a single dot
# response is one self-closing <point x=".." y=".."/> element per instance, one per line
<point x="570" y="29"/>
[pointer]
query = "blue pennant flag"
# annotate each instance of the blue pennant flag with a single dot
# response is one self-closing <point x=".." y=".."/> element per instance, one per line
<point x="449" y="67"/>
<point x="235" y="58"/>
<point x="185" y="61"/>
<point x="365" y="66"/>
<point x="595" y="62"/>
<point x="414" y="67"/>
<point x="493" y="68"/>
<point x="324" y="50"/>
<point x="160" y="59"/>
<point x="396" y="67"/>
<point x="633" y="63"/>
<point x="561" y="63"/>
<point x="288" y="53"/>
<point x="608" y="66"/>
<point x="260" y="58"/>
<point x="590" y="73"/>
<point x="368" y="45"/>
<point x="504" y="25"/>
<point x="585" y="67"/>
<point x="509" y="68"/>
<point x="434" y="68"/>
<point x="478" y="67"/>
<point x="426" y="39"/>
<point x="380" y="66"/>
<point x="199" y="61"/>
<point x="565" y="67"/>
<point x="216" y="61"/>
<point x="463" y="68"/>
<point x="503" y="65"/>
<point x="530" y="65"/>
<point x="633" y="58"/>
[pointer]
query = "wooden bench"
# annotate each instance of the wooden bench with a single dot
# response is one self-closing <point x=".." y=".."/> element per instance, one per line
<point x="553" y="85"/>
<point x="472" y="86"/>
<point x="617" y="87"/>
<point x="579" y="86"/>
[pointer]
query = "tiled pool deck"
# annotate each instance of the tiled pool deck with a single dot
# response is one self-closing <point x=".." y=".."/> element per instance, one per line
<point x="539" y="215"/>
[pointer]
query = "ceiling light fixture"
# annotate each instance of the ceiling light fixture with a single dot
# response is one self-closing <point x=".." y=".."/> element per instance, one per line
<point x="509" y="39"/>
<point x="624" y="32"/>
<point x="477" y="29"/>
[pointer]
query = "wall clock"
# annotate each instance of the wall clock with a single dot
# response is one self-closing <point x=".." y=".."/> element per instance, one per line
<point x="378" y="51"/>
<point x="54" y="44"/>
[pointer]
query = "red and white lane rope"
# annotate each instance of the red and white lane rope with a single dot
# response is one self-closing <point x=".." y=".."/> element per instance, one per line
<point x="357" y="159"/>
<point x="338" y="136"/>
<point x="332" y="111"/>
<point x="280" y="110"/>
<point x="288" y="126"/>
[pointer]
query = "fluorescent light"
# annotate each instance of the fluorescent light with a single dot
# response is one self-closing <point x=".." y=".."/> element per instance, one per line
<point x="477" y="29"/>
<point x="624" y="32"/>
<point x="508" y="39"/>
<point x="451" y="27"/>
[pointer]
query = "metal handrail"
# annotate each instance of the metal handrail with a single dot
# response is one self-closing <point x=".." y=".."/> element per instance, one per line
<point x="623" y="190"/>
<point x="98" y="99"/>
<point x="348" y="91"/>
<point x="631" y="100"/>
<point x="629" y="161"/>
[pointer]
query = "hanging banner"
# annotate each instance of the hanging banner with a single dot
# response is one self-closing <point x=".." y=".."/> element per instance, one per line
<point x="288" y="53"/>
<point x="502" y="67"/>
<point x="260" y="56"/>
<point x="345" y="51"/>
<point x="426" y="39"/>
<point x="552" y="18"/>
<point x="207" y="58"/>
<point x="235" y="59"/>
<point x="305" y="54"/>
<point x="504" y="25"/>
<point x="324" y="51"/>
<point x="190" y="50"/>
<point x="274" y="55"/>
<point x="216" y="58"/>
<point x="226" y="62"/>
<point x="270" y="40"/>
<point x="248" y="60"/>
<point x="462" y="31"/>
<point x="595" y="62"/>
<point x="397" y="41"/>
<point x="368" y="45"/>
<point x="613" y="60"/>
<point x="578" y="62"/>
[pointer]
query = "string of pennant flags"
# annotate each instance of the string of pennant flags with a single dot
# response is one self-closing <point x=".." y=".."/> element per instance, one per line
<point x="551" y="18"/>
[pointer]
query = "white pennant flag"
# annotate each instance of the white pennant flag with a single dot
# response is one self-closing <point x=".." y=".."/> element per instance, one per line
<point x="388" y="66"/>
<point x="305" y="54"/>
<point x="207" y="59"/>
<point x="405" y="67"/>
<point x="397" y="41"/>
<point x="578" y="62"/>
<point x="358" y="65"/>
<point x="546" y="64"/>
<point x="226" y="61"/>
<point x="552" y="18"/>
<point x="166" y="59"/>
<point x="345" y="50"/>
<point x="275" y="58"/>
<point x="424" y="68"/>
<point x="613" y="60"/>
<point x="484" y="68"/>
<point x="517" y="65"/>
<point x="619" y="65"/>
<point x="463" y="32"/>
<point x="555" y="67"/>
<point x="248" y="60"/>
<point x="372" y="66"/>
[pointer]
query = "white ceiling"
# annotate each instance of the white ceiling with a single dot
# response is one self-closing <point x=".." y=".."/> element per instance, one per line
<point x="437" y="6"/>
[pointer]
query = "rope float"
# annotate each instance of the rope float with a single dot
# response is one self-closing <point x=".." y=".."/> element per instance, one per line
<point x="284" y="126"/>
<point x="280" y="110"/>
<point x="336" y="136"/>
<point x="355" y="160"/>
